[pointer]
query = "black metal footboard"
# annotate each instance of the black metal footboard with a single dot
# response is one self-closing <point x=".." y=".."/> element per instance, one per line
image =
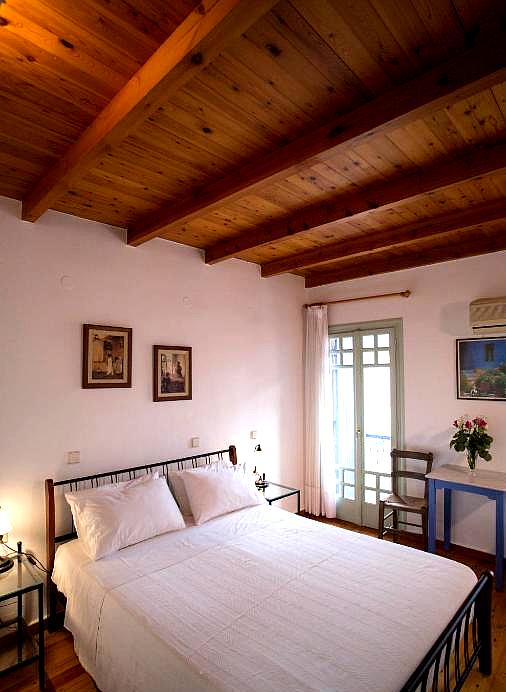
<point x="467" y="637"/>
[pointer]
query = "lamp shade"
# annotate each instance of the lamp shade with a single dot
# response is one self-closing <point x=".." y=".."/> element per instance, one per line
<point x="5" y="522"/>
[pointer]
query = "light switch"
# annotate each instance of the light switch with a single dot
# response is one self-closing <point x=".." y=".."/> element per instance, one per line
<point x="253" y="434"/>
<point x="73" y="457"/>
<point x="195" y="441"/>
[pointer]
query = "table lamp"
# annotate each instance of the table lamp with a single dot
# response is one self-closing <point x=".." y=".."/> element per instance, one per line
<point x="260" y="481"/>
<point x="5" y="526"/>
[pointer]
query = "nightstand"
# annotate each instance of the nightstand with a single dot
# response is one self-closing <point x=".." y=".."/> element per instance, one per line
<point x="18" y="646"/>
<point x="274" y="492"/>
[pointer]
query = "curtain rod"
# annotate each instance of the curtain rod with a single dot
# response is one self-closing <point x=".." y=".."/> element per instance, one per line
<point x="404" y="294"/>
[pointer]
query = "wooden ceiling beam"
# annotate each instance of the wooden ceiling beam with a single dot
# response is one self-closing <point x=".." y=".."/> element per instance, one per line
<point x="478" y="242"/>
<point x="479" y="163"/>
<point x="377" y="241"/>
<point x="466" y="74"/>
<point x="191" y="47"/>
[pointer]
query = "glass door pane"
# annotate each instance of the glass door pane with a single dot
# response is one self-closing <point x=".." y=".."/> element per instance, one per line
<point x="343" y="392"/>
<point x="377" y="430"/>
<point x="364" y="383"/>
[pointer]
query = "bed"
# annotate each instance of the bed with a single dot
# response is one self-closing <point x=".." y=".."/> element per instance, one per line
<point x="261" y="599"/>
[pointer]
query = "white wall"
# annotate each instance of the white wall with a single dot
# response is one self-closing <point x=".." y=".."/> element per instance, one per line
<point x="434" y="316"/>
<point x="246" y="335"/>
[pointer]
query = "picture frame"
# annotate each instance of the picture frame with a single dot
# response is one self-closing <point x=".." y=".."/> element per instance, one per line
<point x="172" y="373"/>
<point x="107" y="357"/>
<point x="481" y="368"/>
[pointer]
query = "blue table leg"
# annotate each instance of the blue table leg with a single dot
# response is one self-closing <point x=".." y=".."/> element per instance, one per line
<point x="432" y="516"/>
<point x="499" y="541"/>
<point x="447" y="517"/>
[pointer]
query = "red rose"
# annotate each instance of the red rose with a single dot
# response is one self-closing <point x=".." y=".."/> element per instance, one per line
<point x="455" y="424"/>
<point x="468" y="424"/>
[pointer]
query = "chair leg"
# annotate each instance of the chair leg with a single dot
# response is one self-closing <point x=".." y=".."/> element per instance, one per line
<point x="381" y="519"/>
<point x="395" y="524"/>
<point x="425" y="531"/>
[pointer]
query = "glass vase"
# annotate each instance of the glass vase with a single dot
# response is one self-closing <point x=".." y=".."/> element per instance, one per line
<point x="471" y="461"/>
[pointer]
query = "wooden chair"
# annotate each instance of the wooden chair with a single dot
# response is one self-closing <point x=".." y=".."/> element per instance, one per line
<point x="405" y="503"/>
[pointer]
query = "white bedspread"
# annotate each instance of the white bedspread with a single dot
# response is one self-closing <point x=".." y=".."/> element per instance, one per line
<point x="259" y="600"/>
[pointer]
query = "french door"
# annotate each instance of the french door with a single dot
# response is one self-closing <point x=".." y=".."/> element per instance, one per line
<point x="366" y="387"/>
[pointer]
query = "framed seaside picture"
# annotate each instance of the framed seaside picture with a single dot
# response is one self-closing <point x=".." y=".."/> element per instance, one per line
<point x="172" y="373"/>
<point x="481" y="368"/>
<point x="107" y="357"/>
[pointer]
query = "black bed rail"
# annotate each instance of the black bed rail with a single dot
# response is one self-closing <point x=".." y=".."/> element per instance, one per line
<point x="467" y="637"/>
<point x="132" y="471"/>
<point x="97" y="479"/>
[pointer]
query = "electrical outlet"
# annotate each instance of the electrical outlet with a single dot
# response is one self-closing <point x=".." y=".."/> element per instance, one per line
<point x="73" y="457"/>
<point x="195" y="442"/>
<point x="253" y="435"/>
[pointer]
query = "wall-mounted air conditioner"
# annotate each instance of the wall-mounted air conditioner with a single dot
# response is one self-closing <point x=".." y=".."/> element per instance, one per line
<point x="487" y="316"/>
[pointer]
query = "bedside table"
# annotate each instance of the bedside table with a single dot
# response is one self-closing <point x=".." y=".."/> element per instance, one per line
<point x="18" y="647"/>
<point x="274" y="492"/>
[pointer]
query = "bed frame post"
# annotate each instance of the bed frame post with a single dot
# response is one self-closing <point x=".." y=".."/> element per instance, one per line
<point x="50" y="553"/>
<point x="232" y="453"/>
<point x="484" y="619"/>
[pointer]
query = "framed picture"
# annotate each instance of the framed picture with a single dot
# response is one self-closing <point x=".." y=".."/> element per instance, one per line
<point x="172" y="373"/>
<point x="481" y="368"/>
<point x="107" y="356"/>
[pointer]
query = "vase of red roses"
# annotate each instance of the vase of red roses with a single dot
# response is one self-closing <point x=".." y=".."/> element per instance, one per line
<point x="471" y="437"/>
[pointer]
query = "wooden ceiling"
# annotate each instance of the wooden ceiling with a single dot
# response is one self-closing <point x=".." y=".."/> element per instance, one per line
<point x="328" y="138"/>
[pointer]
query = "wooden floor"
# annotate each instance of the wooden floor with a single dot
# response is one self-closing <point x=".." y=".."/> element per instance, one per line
<point x="64" y="674"/>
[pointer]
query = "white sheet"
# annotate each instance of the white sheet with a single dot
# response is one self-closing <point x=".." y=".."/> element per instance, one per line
<point x="257" y="600"/>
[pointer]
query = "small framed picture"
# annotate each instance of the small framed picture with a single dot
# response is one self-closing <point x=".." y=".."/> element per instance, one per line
<point x="107" y="357"/>
<point x="172" y="373"/>
<point x="481" y="368"/>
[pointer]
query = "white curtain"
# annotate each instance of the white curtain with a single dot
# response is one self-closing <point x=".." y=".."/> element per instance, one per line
<point x="319" y="465"/>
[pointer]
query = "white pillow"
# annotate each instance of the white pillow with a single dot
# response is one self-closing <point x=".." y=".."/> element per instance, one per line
<point x="114" y="516"/>
<point x="221" y="492"/>
<point x="177" y="487"/>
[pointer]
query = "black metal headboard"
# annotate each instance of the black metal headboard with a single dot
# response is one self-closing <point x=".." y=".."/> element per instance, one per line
<point x="104" y="478"/>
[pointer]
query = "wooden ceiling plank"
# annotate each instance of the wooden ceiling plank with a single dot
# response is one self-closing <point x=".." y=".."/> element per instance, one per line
<point x="383" y="153"/>
<point x="44" y="79"/>
<point x="181" y="145"/>
<point x="476" y="69"/>
<point x="380" y="41"/>
<point x="382" y="240"/>
<point x="35" y="135"/>
<point x="310" y="44"/>
<point x="479" y="242"/>
<point x="82" y="34"/>
<point x="477" y="118"/>
<point x="114" y="23"/>
<point x="251" y="92"/>
<point x="273" y="76"/>
<point x="209" y="129"/>
<point x="345" y="42"/>
<point x="429" y="180"/>
<point x="269" y="38"/>
<point x="60" y="51"/>
<point x="442" y="22"/>
<point x="186" y="52"/>
<point x="499" y="92"/>
<point x="410" y="31"/>
<point x="248" y="113"/>
<point x="441" y="126"/>
<point x="157" y="171"/>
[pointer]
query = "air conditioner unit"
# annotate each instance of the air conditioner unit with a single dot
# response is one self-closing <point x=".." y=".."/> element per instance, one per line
<point x="487" y="316"/>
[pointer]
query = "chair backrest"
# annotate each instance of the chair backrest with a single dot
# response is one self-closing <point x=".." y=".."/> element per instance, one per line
<point x="397" y="472"/>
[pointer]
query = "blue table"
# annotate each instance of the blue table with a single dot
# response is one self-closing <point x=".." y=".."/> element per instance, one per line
<point x="491" y="484"/>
